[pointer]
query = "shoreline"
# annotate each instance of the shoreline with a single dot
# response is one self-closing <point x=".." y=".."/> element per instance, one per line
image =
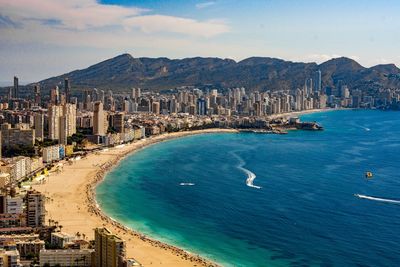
<point x="304" y="112"/>
<point x="94" y="207"/>
<point x="144" y="249"/>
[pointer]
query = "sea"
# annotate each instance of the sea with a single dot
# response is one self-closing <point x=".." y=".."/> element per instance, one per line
<point x="250" y="199"/>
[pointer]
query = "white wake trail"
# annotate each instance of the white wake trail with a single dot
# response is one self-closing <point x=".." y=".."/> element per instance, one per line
<point x="378" y="199"/>
<point x="250" y="175"/>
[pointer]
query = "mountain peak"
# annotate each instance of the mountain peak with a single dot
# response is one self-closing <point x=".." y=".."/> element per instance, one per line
<point x="256" y="73"/>
<point x="386" y="68"/>
<point x="343" y="61"/>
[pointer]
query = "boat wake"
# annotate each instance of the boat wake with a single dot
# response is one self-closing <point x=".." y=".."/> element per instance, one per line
<point x="387" y="200"/>
<point x="362" y="127"/>
<point x="186" y="184"/>
<point x="250" y="175"/>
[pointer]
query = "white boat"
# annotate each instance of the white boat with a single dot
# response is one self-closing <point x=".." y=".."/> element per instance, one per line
<point x="186" y="184"/>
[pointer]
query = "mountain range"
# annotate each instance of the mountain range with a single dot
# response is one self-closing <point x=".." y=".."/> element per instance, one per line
<point x="256" y="73"/>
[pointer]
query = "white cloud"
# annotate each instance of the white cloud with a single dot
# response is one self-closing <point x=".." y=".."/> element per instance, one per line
<point x="205" y="4"/>
<point x="85" y="15"/>
<point x="73" y="14"/>
<point x="161" y="23"/>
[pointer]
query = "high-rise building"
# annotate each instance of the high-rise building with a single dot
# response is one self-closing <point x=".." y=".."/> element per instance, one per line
<point x="36" y="90"/>
<point x="109" y="249"/>
<point x="156" y="107"/>
<point x="136" y="94"/>
<point x="69" y="111"/>
<point x="15" y="91"/>
<point x="62" y="121"/>
<point x="102" y="96"/>
<point x="63" y="136"/>
<point x="201" y="106"/>
<point x="55" y="96"/>
<point x="95" y="95"/>
<point x="98" y="119"/>
<point x="317" y="81"/>
<point x="39" y="125"/>
<point x="67" y="90"/>
<point x="35" y="211"/>
<point x="54" y="113"/>
<point x="118" y="122"/>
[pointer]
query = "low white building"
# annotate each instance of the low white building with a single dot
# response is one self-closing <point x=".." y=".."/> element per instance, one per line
<point x="53" y="153"/>
<point x="67" y="257"/>
<point x="60" y="239"/>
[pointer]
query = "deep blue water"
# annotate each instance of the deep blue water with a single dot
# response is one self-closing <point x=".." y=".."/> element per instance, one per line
<point x="305" y="214"/>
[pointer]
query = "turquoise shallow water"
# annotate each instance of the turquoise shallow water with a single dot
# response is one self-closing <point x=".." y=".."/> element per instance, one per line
<point x="304" y="214"/>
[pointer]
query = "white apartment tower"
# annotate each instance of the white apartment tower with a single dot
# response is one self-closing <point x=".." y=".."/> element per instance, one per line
<point x="62" y="121"/>
<point x="54" y="113"/>
<point x="98" y="119"/>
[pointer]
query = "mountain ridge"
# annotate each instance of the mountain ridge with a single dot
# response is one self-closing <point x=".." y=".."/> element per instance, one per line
<point x="124" y="71"/>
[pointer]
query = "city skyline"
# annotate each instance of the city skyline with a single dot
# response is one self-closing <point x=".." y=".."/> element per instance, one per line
<point x="48" y="38"/>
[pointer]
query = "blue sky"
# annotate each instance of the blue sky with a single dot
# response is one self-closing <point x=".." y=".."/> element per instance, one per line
<point x="43" y="38"/>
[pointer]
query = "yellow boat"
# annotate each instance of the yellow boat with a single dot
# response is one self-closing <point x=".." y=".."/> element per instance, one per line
<point x="368" y="175"/>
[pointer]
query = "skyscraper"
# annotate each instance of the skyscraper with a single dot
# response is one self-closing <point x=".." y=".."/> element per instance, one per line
<point x="38" y="124"/>
<point x="63" y="127"/>
<point x="36" y="90"/>
<point x="54" y="113"/>
<point x="62" y="121"/>
<point x="98" y="119"/>
<point x="317" y="81"/>
<point x="15" y="90"/>
<point x="109" y="249"/>
<point x="118" y="122"/>
<point x="69" y="111"/>
<point x="55" y="96"/>
<point x="136" y="94"/>
<point x="67" y="90"/>
<point x="156" y="107"/>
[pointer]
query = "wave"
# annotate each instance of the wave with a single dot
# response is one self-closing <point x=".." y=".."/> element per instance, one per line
<point x="378" y="199"/>
<point x="250" y="175"/>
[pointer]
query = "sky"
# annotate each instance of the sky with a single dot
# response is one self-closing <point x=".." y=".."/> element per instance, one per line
<point x="45" y="38"/>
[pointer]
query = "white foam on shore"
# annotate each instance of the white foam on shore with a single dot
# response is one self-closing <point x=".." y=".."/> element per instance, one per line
<point x="378" y="199"/>
<point x="250" y="175"/>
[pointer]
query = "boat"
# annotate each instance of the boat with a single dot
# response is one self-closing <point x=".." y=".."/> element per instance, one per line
<point x="368" y="175"/>
<point x="186" y="184"/>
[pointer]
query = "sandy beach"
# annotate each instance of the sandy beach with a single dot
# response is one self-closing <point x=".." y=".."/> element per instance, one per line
<point x="71" y="203"/>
